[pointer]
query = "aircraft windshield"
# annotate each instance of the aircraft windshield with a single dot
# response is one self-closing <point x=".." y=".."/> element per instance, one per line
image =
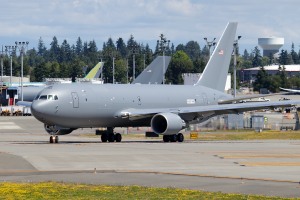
<point x="48" y="97"/>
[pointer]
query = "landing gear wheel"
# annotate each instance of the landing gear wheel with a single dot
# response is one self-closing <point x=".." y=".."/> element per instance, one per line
<point x="173" y="138"/>
<point x="111" y="137"/>
<point x="166" y="138"/>
<point x="118" y="137"/>
<point x="104" y="137"/>
<point x="51" y="139"/>
<point x="180" y="137"/>
<point x="56" y="139"/>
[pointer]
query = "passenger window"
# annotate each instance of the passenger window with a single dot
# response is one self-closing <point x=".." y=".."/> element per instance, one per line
<point x="43" y="97"/>
<point x="55" y="97"/>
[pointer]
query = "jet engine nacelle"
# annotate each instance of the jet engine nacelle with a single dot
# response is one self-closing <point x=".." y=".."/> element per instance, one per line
<point x="167" y="123"/>
<point x="54" y="130"/>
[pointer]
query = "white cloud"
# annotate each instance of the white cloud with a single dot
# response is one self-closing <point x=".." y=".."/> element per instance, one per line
<point x="179" y="20"/>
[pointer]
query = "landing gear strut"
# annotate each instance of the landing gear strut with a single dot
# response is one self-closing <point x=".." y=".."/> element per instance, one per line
<point x="173" y="138"/>
<point x="110" y="136"/>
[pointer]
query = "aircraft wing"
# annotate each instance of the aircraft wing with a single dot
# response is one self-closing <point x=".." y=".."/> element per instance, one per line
<point x="195" y="111"/>
<point x="240" y="98"/>
<point x="290" y="90"/>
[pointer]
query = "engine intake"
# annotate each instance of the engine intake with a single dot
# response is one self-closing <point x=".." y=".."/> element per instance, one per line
<point x="167" y="123"/>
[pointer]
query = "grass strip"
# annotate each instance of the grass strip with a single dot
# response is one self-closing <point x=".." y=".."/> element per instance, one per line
<point x="53" y="190"/>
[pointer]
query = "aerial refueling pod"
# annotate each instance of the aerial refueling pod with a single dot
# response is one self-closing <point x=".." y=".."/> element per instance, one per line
<point x="54" y="130"/>
<point x="167" y="123"/>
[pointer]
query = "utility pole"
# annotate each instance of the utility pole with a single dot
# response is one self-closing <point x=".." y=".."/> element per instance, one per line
<point x="10" y="51"/>
<point x="163" y="44"/>
<point x="22" y="46"/>
<point x="235" y="48"/>
<point x="133" y="50"/>
<point x="113" y="70"/>
<point x="2" y="56"/>
<point x="210" y="44"/>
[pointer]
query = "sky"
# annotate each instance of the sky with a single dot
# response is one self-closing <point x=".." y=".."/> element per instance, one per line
<point x="179" y="20"/>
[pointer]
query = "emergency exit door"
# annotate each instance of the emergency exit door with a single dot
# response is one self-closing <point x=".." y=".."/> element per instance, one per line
<point x="75" y="100"/>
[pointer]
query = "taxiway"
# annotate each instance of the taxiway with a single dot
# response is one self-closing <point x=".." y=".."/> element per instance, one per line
<point x="269" y="167"/>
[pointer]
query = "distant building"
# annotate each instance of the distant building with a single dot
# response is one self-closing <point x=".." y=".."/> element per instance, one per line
<point x="247" y="75"/>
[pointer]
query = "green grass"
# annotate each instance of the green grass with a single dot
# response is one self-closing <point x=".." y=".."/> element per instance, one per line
<point x="250" y="135"/>
<point x="225" y="135"/>
<point x="52" y="190"/>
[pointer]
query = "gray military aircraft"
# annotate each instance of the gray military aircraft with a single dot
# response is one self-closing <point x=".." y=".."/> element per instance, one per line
<point x="167" y="109"/>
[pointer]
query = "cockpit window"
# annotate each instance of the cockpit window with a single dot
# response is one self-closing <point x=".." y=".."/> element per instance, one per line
<point x="48" y="97"/>
<point x="43" y="97"/>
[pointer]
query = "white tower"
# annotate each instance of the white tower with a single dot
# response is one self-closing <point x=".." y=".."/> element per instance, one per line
<point x="270" y="45"/>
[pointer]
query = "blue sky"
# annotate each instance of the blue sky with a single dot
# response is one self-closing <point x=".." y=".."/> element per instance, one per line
<point x="179" y="20"/>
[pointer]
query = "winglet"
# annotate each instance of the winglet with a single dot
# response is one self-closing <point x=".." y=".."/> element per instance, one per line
<point x="215" y="73"/>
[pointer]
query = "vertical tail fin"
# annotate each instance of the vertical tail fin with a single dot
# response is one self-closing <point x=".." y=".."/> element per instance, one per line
<point x="154" y="72"/>
<point x="96" y="71"/>
<point x="215" y="73"/>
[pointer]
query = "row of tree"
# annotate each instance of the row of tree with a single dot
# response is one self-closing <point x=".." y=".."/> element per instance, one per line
<point x="66" y="60"/>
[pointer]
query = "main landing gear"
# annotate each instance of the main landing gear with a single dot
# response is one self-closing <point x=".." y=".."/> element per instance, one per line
<point x="53" y="139"/>
<point x="173" y="138"/>
<point x="110" y="136"/>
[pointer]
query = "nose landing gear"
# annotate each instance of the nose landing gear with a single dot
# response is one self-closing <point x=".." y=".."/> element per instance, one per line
<point x="53" y="139"/>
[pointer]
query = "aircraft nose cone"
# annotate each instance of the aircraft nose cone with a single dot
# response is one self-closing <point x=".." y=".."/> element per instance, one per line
<point x="36" y="110"/>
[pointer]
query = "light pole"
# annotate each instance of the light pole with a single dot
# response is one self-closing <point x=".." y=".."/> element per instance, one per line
<point x="2" y="56"/>
<point x="210" y="44"/>
<point x="235" y="47"/>
<point x="10" y="50"/>
<point x="163" y="44"/>
<point x="134" y="50"/>
<point x="21" y="46"/>
<point x="113" y="70"/>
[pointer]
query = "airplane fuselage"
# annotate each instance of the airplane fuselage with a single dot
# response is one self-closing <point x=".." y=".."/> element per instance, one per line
<point x="88" y="105"/>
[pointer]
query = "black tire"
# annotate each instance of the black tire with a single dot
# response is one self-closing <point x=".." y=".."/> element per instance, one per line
<point x="166" y="138"/>
<point x="118" y="137"/>
<point x="173" y="138"/>
<point x="51" y="139"/>
<point x="104" y="137"/>
<point x="180" y="137"/>
<point x="111" y="137"/>
<point x="56" y="139"/>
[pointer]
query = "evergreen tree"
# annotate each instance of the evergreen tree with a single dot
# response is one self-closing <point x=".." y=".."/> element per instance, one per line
<point x="257" y="58"/>
<point x="294" y="55"/>
<point x="41" y="47"/>
<point x="283" y="57"/>
<point x="180" y="63"/>
<point x="121" y="47"/>
<point x="192" y="49"/>
<point x="65" y="52"/>
<point x="262" y="80"/>
<point x="79" y="47"/>
<point x="246" y="55"/>
<point x="283" y="77"/>
<point x="54" y="51"/>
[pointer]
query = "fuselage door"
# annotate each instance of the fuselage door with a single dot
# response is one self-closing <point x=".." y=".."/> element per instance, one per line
<point x="75" y="100"/>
